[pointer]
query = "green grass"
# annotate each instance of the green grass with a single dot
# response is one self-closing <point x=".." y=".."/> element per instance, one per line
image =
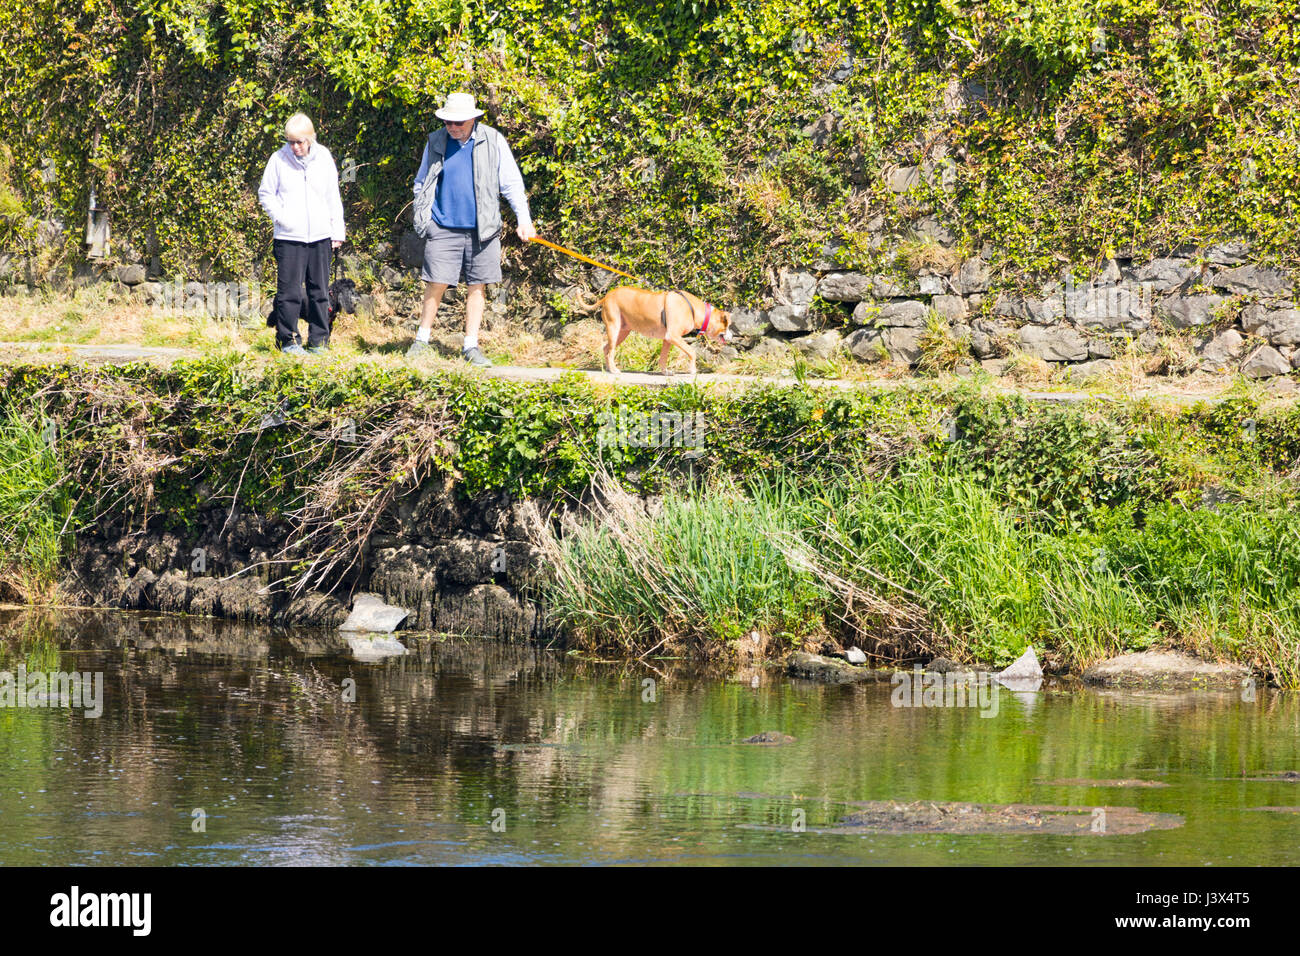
<point x="929" y="560"/>
<point x="34" y="500"/>
<point x="709" y="568"/>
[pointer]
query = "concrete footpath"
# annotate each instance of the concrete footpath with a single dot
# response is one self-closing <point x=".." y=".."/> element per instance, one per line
<point x="119" y="354"/>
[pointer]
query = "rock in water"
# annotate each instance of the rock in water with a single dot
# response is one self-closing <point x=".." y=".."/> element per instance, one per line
<point x="1025" y="668"/>
<point x="1167" y="669"/>
<point x="1024" y="676"/>
<point x="854" y="655"/>
<point x="371" y="614"/>
<point x="769" y="737"/>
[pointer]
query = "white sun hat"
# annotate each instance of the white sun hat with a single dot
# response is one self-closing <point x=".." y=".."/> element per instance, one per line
<point x="458" y="108"/>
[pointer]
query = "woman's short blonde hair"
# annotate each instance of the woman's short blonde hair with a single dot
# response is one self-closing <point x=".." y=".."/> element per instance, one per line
<point x="300" y="124"/>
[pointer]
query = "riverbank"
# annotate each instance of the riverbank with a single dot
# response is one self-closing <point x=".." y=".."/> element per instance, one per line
<point x="935" y="520"/>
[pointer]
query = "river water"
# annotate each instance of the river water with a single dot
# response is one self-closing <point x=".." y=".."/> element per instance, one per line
<point x="220" y="744"/>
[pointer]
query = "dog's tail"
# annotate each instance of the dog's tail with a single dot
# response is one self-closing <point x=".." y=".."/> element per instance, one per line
<point x="585" y="303"/>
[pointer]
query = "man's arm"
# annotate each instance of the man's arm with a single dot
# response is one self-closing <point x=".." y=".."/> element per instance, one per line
<point x="512" y="187"/>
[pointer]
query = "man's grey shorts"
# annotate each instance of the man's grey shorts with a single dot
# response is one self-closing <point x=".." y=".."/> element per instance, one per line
<point x="453" y="256"/>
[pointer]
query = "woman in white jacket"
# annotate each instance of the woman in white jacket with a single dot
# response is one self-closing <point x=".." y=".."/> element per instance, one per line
<point x="300" y="192"/>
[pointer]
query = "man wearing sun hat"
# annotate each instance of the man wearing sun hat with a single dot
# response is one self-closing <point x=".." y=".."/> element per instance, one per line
<point x="466" y="168"/>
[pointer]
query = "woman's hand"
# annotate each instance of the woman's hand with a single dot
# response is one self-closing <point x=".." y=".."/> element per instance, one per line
<point x="336" y="243"/>
<point x="526" y="232"/>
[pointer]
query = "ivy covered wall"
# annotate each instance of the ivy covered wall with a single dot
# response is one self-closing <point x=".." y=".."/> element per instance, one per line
<point x="695" y="143"/>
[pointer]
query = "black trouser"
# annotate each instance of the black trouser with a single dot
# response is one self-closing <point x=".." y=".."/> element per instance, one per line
<point x="296" y="264"/>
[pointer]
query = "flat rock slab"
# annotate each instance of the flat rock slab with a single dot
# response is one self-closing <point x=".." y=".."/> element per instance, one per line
<point x="926" y="816"/>
<point x="1163" y="669"/>
<point x="830" y="671"/>
<point x="1084" y="782"/>
<point x="371" y="615"/>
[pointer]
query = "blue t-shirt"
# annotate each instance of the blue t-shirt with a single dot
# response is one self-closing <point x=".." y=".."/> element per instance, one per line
<point x="453" y="203"/>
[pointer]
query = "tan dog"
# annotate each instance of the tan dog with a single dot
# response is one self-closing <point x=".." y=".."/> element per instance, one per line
<point x="668" y="315"/>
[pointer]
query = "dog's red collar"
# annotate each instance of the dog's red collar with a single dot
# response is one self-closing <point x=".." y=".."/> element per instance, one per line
<point x="708" y="310"/>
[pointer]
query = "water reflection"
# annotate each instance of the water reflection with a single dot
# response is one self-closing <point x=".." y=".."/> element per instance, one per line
<point x="297" y="753"/>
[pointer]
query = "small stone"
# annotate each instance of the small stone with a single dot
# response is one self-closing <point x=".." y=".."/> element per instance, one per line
<point x="906" y="314"/>
<point x="785" y="318"/>
<point x="818" y="347"/>
<point x="952" y="307"/>
<point x="130" y="275"/>
<point x="902" y="178"/>
<point x="1028" y="309"/>
<point x="1228" y="253"/>
<point x="771" y="349"/>
<point x="821" y="130"/>
<point x="972" y="276"/>
<point x="1282" y="327"/>
<point x="1105" y="306"/>
<point x="1025" y="666"/>
<point x="1165" y="274"/>
<point x="845" y="287"/>
<point x="370" y="613"/>
<point x="903" y="344"/>
<point x="930" y="228"/>
<point x="748" y="323"/>
<point x="1100" y="348"/>
<point x="1054" y="343"/>
<point x="1265" y="362"/>
<point x="1187" y="311"/>
<point x="866" y="345"/>
<point x="1254" y="280"/>
<point x="886" y="287"/>
<point x="1091" y="369"/>
<point x="796" y="290"/>
<point x="1221" y="351"/>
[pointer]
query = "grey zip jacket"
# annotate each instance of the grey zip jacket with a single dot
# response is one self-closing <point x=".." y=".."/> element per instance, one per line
<point x="496" y="174"/>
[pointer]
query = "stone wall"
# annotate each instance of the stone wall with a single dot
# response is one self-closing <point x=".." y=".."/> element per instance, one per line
<point x="458" y="567"/>
<point x="1241" y="316"/>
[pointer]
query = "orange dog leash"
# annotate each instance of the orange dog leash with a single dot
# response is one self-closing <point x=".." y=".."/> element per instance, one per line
<point x="663" y="315"/>
<point x="579" y="255"/>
